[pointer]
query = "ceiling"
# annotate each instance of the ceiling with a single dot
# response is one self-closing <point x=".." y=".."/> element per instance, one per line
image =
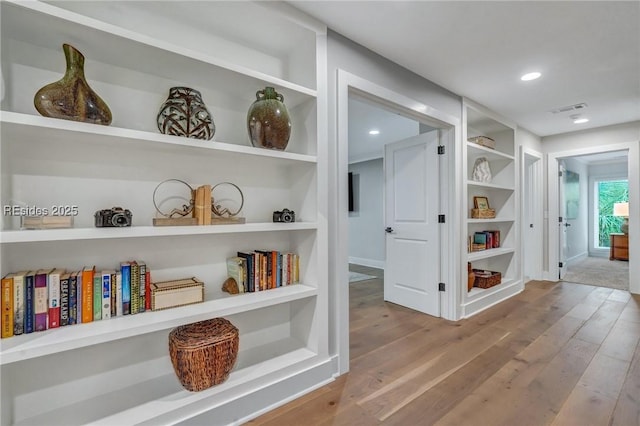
<point x="588" y="52"/>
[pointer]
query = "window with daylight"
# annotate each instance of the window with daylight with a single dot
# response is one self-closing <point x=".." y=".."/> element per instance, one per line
<point x="607" y="193"/>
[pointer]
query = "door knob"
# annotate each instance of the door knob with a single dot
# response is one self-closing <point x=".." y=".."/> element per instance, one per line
<point x="388" y="230"/>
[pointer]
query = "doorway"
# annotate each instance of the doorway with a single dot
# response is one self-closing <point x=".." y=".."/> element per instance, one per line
<point x="585" y="211"/>
<point x="350" y="86"/>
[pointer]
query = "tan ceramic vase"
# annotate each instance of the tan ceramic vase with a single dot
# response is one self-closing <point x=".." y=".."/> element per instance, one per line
<point x="268" y="120"/>
<point x="71" y="98"/>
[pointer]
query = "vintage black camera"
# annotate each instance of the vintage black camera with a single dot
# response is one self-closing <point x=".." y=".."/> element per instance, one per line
<point x="285" y="215"/>
<point x="115" y="217"/>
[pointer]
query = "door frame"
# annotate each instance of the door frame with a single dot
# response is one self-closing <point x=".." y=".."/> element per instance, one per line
<point x="450" y="203"/>
<point x="633" y="159"/>
<point x="538" y="208"/>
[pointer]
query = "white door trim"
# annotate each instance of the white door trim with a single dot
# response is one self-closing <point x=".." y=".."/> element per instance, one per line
<point x="633" y="149"/>
<point x="538" y="213"/>
<point x="450" y="202"/>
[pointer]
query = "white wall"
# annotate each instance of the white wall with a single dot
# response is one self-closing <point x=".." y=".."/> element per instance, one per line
<point x="577" y="234"/>
<point x="343" y="54"/>
<point x="528" y="140"/>
<point x="622" y="136"/>
<point x="366" y="225"/>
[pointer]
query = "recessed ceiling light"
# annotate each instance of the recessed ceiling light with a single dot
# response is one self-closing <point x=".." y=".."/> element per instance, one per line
<point x="374" y="132"/>
<point x="530" y="76"/>
<point x="580" y="120"/>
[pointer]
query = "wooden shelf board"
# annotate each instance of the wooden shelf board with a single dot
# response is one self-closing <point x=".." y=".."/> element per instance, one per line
<point x="477" y="292"/>
<point x="485" y="254"/>
<point x="77" y="234"/>
<point x="161" y="396"/>
<point x="490" y="185"/>
<point x="25" y="127"/>
<point x="491" y="154"/>
<point x="161" y="57"/>
<point x="27" y="346"/>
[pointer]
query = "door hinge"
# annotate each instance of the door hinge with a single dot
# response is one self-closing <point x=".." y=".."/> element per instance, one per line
<point x="559" y="174"/>
<point x="560" y="219"/>
<point x="440" y="149"/>
<point x="441" y="287"/>
<point x="560" y="264"/>
<point x="441" y="218"/>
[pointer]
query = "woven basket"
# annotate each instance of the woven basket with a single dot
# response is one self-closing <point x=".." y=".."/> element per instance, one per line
<point x="486" y="279"/>
<point x="203" y="353"/>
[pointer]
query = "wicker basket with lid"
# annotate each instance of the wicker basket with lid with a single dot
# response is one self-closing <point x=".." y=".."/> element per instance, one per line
<point x="203" y="353"/>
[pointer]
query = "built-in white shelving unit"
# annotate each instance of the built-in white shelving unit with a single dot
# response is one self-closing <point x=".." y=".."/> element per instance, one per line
<point x="503" y="196"/>
<point x="118" y="371"/>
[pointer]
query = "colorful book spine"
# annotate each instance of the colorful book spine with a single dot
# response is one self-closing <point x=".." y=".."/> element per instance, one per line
<point x="19" y="290"/>
<point x="135" y="287"/>
<point x="7" y="307"/>
<point x="279" y="270"/>
<point x="29" y="302"/>
<point x="125" y="270"/>
<point x="53" y="286"/>
<point x="97" y="296"/>
<point x="87" y="293"/>
<point x="114" y="293"/>
<point x="119" y="308"/>
<point x="147" y="290"/>
<point x="64" y="299"/>
<point x="73" y="298"/>
<point x="106" y="294"/>
<point x="142" y="272"/>
<point x="249" y="266"/>
<point x="41" y="306"/>
<point x="80" y="303"/>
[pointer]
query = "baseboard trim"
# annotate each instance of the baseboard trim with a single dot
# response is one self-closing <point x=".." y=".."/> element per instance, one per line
<point x="577" y="258"/>
<point x="367" y="262"/>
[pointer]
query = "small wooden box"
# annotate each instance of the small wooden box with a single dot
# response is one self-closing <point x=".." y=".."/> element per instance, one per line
<point x="483" y="213"/>
<point x="486" y="279"/>
<point x="174" y="293"/>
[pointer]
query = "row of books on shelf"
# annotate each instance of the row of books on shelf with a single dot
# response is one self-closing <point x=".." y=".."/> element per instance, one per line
<point x="44" y="299"/>
<point x="263" y="270"/>
<point x="483" y="240"/>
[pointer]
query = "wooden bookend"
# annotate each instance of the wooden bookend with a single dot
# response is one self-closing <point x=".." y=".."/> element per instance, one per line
<point x="198" y="209"/>
<point x="206" y="204"/>
<point x="216" y="220"/>
<point x="174" y="221"/>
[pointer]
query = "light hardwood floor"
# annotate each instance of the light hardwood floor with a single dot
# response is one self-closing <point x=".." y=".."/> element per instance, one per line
<point x="558" y="354"/>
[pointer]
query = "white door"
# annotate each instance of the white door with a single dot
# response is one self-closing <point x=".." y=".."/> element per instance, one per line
<point x="411" y="189"/>
<point x="532" y="235"/>
<point x="562" y="224"/>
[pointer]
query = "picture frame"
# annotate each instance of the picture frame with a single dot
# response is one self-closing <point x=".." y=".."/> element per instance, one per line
<point x="481" y="203"/>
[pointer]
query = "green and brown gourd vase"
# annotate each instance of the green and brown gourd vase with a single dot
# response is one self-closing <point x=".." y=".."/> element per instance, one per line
<point x="71" y="98"/>
<point x="268" y="120"/>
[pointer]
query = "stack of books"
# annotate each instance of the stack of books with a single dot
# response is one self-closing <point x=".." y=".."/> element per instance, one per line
<point x="43" y="299"/>
<point x="261" y="270"/>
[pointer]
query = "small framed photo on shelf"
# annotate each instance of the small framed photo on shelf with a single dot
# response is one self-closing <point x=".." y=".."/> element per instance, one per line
<point x="481" y="203"/>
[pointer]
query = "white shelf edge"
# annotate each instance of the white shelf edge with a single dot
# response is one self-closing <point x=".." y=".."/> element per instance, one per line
<point x="120" y="133"/>
<point x="114" y="30"/>
<point x="477" y="292"/>
<point x="486" y="254"/>
<point x="489" y="185"/>
<point x="77" y="234"/>
<point x="37" y="344"/>
<point x="494" y="220"/>
<point x="490" y="151"/>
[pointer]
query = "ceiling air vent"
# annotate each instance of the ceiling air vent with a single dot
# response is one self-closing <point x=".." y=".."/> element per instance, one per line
<point x="569" y="108"/>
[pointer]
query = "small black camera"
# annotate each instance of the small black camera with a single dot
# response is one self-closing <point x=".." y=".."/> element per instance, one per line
<point x="285" y="215"/>
<point x="115" y="217"/>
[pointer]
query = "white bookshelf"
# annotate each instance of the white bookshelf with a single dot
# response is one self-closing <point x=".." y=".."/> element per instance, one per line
<point x="132" y="59"/>
<point x="503" y="196"/>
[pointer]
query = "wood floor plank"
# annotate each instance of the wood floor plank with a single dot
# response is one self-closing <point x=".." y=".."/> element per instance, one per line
<point x="557" y="353"/>
<point x="627" y="411"/>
